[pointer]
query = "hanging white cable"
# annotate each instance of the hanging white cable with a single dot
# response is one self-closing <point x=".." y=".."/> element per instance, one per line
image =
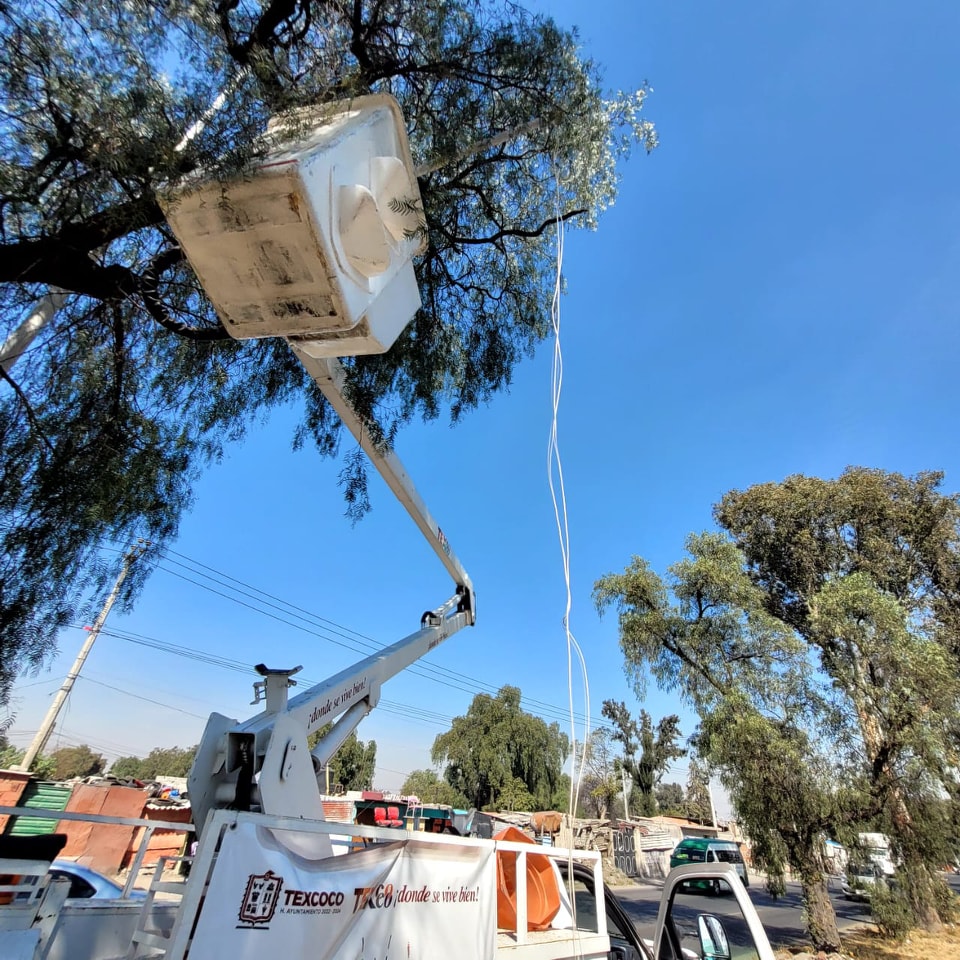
<point x="559" y="498"/>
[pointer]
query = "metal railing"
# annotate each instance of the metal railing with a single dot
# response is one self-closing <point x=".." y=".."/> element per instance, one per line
<point x="149" y="826"/>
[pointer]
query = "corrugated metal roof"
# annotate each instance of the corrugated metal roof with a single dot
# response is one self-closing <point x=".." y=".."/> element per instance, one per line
<point x="656" y="840"/>
<point x="39" y="793"/>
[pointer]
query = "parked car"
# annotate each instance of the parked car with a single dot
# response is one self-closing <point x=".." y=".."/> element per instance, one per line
<point x="87" y="884"/>
<point x="709" y="850"/>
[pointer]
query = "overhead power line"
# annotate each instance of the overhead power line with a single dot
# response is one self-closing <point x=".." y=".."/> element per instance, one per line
<point x="276" y="608"/>
<point x="137" y="696"/>
<point x="350" y="638"/>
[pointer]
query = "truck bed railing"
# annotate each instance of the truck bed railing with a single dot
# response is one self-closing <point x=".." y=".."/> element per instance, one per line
<point x="148" y="827"/>
<point x="173" y="941"/>
<point x="347" y="837"/>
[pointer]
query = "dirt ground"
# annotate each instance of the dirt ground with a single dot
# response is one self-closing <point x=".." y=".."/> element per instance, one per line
<point x="868" y="945"/>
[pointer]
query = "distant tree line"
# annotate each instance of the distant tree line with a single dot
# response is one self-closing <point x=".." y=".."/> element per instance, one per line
<point x="499" y="757"/>
<point x="66" y="763"/>
<point x="352" y="766"/>
<point x="158" y="763"/>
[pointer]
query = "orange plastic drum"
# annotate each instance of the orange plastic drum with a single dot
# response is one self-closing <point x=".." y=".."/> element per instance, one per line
<point x="543" y="894"/>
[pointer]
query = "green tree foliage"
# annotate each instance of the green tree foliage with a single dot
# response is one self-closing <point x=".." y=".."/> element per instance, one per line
<point x="601" y="781"/>
<point x="696" y="801"/>
<point x="514" y="795"/>
<point x="10" y="757"/>
<point x="126" y="767"/>
<point x="706" y="635"/>
<point x="497" y="755"/>
<point x="353" y="765"/>
<point x="79" y="761"/>
<point x="561" y="794"/>
<point x="656" y="748"/>
<point x="670" y="799"/>
<point x="135" y="386"/>
<point x="788" y="792"/>
<point x="158" y="763"/>
<point x="866" y="570"/>
<point x="429" y="788"/>
<point x="818" y="634"/>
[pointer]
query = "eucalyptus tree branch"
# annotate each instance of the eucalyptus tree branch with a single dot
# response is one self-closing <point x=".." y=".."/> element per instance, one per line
<point x="61" y="259"/>
<point x="53" y="263"/>
<point x="28" y="409"/>
<point x="148" y="294"/>
<point x="119" y="360"/>
<point x="357" y="45"/>
<point x="678" y="650"/>
<point x="511" y="231"/>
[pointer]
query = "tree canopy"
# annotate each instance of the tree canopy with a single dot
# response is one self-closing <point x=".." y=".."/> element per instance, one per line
<point x="647" y="752"/>
<point x="499" y="756"/>
<point x="696" y="800"/>
<point x="671" y="800"/>
<point x="134" y="386"/>
<point x="79" y="761"/>
<point x="10" y="756"/>
<point x="705" y="635"/>
<point x="429" y="788"/>
<point x="866" y="569"/>
<point x="816" y="636"/>
<point x="600" y="788"/>
<point x="65" y="763"/>
<point x="159" y="762"/>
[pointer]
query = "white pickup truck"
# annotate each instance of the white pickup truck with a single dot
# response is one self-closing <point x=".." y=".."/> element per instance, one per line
<point x="257" y="889"/>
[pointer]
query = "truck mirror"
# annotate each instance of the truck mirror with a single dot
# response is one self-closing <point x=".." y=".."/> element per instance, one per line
<point x="713" y="938"/>
<point x="691" y="933"/>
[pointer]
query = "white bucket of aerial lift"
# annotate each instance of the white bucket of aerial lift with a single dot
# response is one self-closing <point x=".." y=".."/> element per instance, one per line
<point x="315" y="241"/>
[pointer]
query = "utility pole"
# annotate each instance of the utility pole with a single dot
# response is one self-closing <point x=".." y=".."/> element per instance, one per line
<point x="49" y="721"/>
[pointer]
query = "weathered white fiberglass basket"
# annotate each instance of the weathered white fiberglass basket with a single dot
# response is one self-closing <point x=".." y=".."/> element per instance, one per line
<point x="315" y="241"/>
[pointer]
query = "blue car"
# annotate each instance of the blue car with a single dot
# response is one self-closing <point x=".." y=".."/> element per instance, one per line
<point x="87" y="884"/>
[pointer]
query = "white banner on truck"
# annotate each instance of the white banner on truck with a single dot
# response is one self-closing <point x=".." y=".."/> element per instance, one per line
<point x="410" y="900"/>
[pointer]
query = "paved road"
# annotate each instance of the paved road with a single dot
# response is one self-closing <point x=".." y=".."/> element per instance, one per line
<point x="782" y="918"/>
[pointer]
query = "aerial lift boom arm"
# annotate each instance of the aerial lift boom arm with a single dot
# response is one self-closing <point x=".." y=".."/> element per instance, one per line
<point x="264" y="762"/>
<point x="329" y="375"/>
<point x="315" y="245"/>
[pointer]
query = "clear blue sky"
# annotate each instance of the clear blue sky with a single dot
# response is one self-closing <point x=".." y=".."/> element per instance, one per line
<point x="776" y="291"/>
